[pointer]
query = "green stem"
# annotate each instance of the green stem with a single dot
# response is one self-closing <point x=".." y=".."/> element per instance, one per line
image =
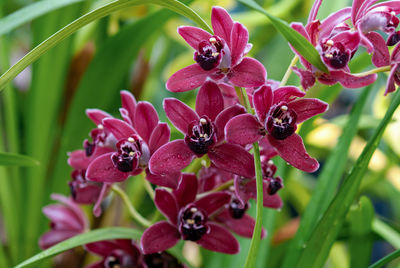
<point x="147" y="186"/>
<point x="132" y="211"/>
<point x="255" y="241"/>
<point x="289" y="71"/>
<point x="386" y="232"/>
<point x="374" y="71"/>
<point x="98" y="13"/>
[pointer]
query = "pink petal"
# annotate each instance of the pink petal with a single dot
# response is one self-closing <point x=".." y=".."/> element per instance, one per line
<point x="239" y="39"/>
<point x="395" y="58"/>
<point x="314" y="11"/>
<point x="209" y="100"/>
<point x="179" y="114"/>
<point x="126" y="116"/>
<point x="307" y="78"/>
<point x="224" y="117"/>
<point x="101" y="248"/>
<point x="120" y="129"/>
<point x="129" y="104"/>
<point x="214" y="201"/>
<point x="146" y="119"/>
<point x="79" y="214"/>
<point x="96" y="115"/>
<point x="97" y="210"/>
<point x="219" y="240"/>
<point x="53" y="237"/>
<point x="166" y="203"/>
<point x="244" y="129"/>
<point x="102" y="169"/>
<point x="248" y="73"/>
<point x="333" y="20"/>
<point x="221" y="23"/>
<point x="292" y="151"/>
<point x="350" y="40"/>
<point x="187" y="78"/>
<point x="243" y="226"/>
<point x="347" y="80"/>
<point x="171" y="158"/>
<point x="62" y="217"/>
<point x="390" y="84"/>
<point x="193" y="35"/>
<point x="381" y="56"/>
<point x="78" y="159"/>
<point x="287" y="94"/>
<point x="232" y="158"/>
<point x="167" y="180"/>
<point x="307" y="108"/>
<point x="262" y="100"/>
<point x="160" y="136"/>
<point x="392" y="5"/>
<point x="186" y="191"/>
<point x="159" y="237"/>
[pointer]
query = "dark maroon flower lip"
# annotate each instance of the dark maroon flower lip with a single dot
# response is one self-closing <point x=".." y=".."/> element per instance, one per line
<point x="201" y="135"/>
<point x="192" y="222"/>
<point x="281" y="121"/>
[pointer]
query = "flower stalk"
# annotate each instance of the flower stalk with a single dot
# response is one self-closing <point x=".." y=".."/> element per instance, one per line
<point x="289" y="71"/>
<point x="374" y="71"/>
<point x="255" y="241"/>
<point x="132" y="211"/>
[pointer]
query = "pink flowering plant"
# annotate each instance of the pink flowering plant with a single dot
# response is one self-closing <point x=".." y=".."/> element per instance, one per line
<point x="189" y="154"/>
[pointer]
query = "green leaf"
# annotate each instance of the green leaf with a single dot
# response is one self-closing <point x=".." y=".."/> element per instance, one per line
<point x="386" y="232"/>
<point x="31" y="12"/>
<point x="360" y="242"/>
<point x="299" y="42"/>
<point x="331" y="222"/>
<point x="17" y="160"/>
<point x="96" y="14"/>
<point x="327" y="184"/>
<point x="82" y="239"/>
<point x="385" y="260"/>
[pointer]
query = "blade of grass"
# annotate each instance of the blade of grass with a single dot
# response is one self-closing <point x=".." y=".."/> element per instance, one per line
<point x="327" y="183"/>
<point x="11" y="159"/>
<point x="98" y="13"/>
<point x="31" y="12"/>
<point x="299" y="42"/>
<point x="82" y="239"/>
<point x="385" y="260"/>
<point x="48" y="82"/>
<point x="386" y="232"/>
<point x="331" y="222"/>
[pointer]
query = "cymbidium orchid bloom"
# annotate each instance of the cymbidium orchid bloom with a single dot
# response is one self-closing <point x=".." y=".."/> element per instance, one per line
<point x="138" y="136"/>
<point x="66" y="220"/>
<point x="367" y="17"/>
<point x="277" y="114"/>
<point x="336" y="43"/>
<point x="189" y="219"/>
<point x="204" y="134"/>
<point x="218" y="56"/>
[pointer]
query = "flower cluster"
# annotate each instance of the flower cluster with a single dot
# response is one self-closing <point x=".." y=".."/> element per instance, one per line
<point x="204" y="180"/>
<point x="337" y="42"/>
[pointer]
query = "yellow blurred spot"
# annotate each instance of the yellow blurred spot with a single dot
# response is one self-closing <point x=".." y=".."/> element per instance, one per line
<point x="393" y="176"/>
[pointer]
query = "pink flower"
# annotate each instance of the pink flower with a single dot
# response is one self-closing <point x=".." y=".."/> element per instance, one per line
<point x="336" y="43"/>
<point x="278" y="113"/>
<point x="188" y="219"/>
<point x="219" y="57"/>
<point x="204" y="134"/>
<point x="367" y="17"/>
<point x="66" y="220"/>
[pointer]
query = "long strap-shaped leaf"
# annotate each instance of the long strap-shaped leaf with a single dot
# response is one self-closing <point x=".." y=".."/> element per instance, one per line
<point x="326" y="231"/>
<point x="31" y="12"/>
<point x="299" y="42"/>
<point x="328" y="182"/>
<point x="11" y="159"/>
<point x="82" y="239"/>
<point x="101" y="12"/>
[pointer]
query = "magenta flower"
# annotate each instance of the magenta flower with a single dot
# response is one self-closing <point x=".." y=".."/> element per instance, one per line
<point x="188" y="219"/>
<point x="66" y="220"/>
<point x="204" y="134"/>
<point x="336" y="43"/>
<point x="211" y="177"/>
<point x="278" y="113"/>
<point x="138" y="136"/>
<point x="219" y="57"/>
<point x="367" y="17"/>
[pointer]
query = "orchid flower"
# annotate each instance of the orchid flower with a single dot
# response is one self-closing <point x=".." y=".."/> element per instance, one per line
<point x="204" y="134"/>
<point x="188" y="219"/>
<point x="277" y="115"/>
<point x="66" y="220"/>
<point x="219" y="57"/>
